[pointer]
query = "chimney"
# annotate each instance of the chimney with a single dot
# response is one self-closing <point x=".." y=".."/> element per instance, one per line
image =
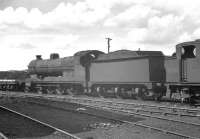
<point x="38" y="57"/>
<point x="54" y="56"/>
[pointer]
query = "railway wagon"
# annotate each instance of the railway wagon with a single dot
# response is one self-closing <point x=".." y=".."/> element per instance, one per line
<point x="11" y="85"/>
<point x="128" y="73"/>
<point x="13" y="80"/>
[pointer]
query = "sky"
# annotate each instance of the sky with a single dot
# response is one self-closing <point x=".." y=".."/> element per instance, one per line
<point x="32" y="27"/>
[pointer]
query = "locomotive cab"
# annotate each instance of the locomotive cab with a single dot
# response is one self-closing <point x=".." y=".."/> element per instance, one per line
<point x="188" y="55"/>
<point x="187" y="67"/>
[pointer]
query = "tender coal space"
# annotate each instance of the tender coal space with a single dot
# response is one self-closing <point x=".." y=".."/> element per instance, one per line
<point x="15" y="126"/>
<point x="73" y="118"/>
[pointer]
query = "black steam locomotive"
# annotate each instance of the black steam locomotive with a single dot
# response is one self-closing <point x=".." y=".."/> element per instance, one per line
<point x="123" y="73"/>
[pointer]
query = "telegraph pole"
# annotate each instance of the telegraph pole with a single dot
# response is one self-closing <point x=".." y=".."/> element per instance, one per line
<point x="108" y="40"/>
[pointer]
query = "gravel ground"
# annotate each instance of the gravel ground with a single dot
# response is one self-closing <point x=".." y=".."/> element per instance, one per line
<point x="82" y="108"/>
<point x="55" y="135"/>
<point x="110" y="131"/>
<point x="125" y="131"/>
<point x="185" y="129"/>
<point x="68" y="121"/>
<point x="21" y="127"/>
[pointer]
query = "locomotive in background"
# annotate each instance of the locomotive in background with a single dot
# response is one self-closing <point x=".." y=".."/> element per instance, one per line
<point x="13" y="80"/>
<point x="123" y="73"/>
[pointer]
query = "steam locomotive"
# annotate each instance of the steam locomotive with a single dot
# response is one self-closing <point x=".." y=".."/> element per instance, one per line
<point x="123" y="73"/>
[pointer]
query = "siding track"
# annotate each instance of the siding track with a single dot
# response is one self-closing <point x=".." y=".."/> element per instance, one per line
<point x="42" y="123"/>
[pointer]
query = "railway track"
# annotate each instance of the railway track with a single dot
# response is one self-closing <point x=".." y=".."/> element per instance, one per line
<point x="115" y="107"/>
<point x="66" y="134"/>
<point x="151" y="109"/>
<point x="2" y="136"/>
<point x="161" y="109"/>
<point x="109" y="106"/>
<point x="131" y="109"/>
<point x="40" y="110"/>
<point x="128" y="122"/>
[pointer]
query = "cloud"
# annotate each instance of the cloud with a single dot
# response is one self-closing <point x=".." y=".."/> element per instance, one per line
<point x="137" y="34"/>
<point x="26" y="46"/>
<point x="159" y="30"/>
<point x="164" y="29"/>
<point x="19" y="50"/>
<point x="80" y="13"/>
<point x="39" y="41"/>
<point x="158" y="21"/>
<point x="69" y="26"/>
<point x="136" y="15"/>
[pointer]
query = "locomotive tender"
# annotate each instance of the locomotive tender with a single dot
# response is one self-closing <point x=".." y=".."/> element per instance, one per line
<point x="123" y="73"/>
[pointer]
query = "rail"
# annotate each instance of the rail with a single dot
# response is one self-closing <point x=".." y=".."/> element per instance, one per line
<point x="2" y="136"/>
<point x="147" y="105"/>
<point x="45" y="124"/>
<point x="131" y="113"/>
<point x="145" y="115"/>
<point x="151" y="127"/>
<point x="136" y="124"/>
